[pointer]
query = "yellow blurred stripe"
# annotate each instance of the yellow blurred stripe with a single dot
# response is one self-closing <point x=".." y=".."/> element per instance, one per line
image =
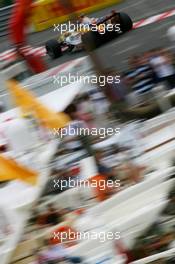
<point x="29" y="104"/>
<point x="11" y="170"/>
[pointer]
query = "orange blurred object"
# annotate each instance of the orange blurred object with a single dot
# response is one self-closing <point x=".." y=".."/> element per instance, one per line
<point x="101" y="194"/>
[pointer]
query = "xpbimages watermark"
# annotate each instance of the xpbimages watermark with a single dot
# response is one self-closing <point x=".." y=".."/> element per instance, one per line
<point x="71" y="130"/>
<point x="93" y="183"/>
<point x="101" y="28"/>
<point x="71" y="236"/>
<point x="102" y="80"/>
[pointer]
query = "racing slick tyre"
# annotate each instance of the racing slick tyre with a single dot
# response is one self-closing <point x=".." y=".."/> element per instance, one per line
<point x="126" y="23"/>
<point x="53" y="48"/>
<point x="91" y="40"/>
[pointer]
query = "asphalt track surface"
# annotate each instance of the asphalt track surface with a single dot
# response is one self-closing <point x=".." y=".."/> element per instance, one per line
<point x="116" y="53"/>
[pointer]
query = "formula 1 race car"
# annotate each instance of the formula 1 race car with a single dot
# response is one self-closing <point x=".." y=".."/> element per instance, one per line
<point x="91" y="35"/>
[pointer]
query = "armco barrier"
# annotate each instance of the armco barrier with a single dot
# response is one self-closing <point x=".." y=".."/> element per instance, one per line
<point x="4" y="17"/>
<point x="49" y="12"/>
